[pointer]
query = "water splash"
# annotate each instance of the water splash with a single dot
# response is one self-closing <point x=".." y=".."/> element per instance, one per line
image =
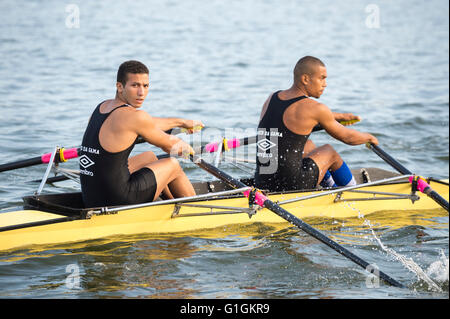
<point x="409" y="263"/>
<point x="439" y="269"/>
<point x="435" y="269"/>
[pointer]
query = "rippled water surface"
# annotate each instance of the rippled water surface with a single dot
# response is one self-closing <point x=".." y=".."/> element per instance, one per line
<point x="218" y="61"/>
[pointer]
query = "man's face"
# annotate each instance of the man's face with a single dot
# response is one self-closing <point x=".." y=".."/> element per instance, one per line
<point x="317" y="82"/>
<point x="135" y="90"/>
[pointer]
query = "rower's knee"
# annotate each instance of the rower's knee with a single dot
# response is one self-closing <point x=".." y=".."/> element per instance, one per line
<point x="175" y="165"/>
<point x="332" y="151"/>
<point x="150" y="156"/>
<point x="329" y="148"/>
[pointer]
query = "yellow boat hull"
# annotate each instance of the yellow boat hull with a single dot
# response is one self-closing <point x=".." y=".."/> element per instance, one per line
<point x="160" y="219"/>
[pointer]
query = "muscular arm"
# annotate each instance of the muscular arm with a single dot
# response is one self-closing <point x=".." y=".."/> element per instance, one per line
<point x="150" y="129"/>
<point x="165" y="124"/>
<point x="327" y="120"/>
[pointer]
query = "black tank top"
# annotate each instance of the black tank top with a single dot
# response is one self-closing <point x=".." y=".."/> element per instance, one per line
<point x="102" y="174"/>
<point x="279" y="151"/>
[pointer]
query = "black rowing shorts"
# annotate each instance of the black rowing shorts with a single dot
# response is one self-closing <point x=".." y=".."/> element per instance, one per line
<point x="141" y="187"/>
<point x="309" y="175"/>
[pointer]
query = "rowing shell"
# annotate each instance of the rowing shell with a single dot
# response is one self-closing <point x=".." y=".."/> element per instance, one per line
<point x="61" y="218"/>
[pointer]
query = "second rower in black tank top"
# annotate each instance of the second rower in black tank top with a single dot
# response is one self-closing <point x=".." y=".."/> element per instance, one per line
<point x="104" y="176"/>
<point x="279" y="162"/>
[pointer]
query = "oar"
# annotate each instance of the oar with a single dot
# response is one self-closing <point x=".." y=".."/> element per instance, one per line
<point x="66" y="154"/>
<point x="422" y="185"/>
<point x="263" y="201"/>
<point x="227" y="144"/>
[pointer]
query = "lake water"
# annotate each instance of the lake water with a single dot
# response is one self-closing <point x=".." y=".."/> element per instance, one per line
<point x="217" y="61"/>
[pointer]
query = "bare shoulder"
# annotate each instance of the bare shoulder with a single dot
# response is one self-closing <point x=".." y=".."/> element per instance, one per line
<point x="311" y="108"/>
<point x="133" y="116"/>
<point x="306" y="108"/>
<point x="142" y="116"/>
<point x="128" y="118"/>
<point x="311" y="102"/>
<point x="323" y="110"/>
<point x="128" y="111"/>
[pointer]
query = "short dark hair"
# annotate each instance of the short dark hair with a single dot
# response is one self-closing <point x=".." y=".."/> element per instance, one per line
<point x="132" y="66"/>
<point x="305" y="66"/>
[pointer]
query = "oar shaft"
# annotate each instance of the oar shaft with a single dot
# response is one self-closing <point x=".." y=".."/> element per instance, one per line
<point x="229" y="144"/>
<point x="423" y="186"/>
<point x="22" y="163"/>
<point x="438" y="199"/>
<point x="267" y="203"/>
<point x="214" y="146"/>
<point x="326" y="240"/>
<point x="62" y="156"/>
<point x="389" y="159"/>
<point x="211" y="147"/>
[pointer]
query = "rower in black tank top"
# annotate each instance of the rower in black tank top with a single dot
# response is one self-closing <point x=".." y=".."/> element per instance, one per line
<point x="279" y="163"/>
<point x="104" y="176"/>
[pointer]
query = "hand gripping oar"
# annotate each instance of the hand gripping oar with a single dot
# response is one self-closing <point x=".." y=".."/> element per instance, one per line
<point x="422" y="185"/>
<point x="263" y="201"/>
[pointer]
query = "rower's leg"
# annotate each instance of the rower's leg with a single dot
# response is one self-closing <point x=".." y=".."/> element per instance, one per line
<point x="137" y="162"/>
<point x="168" y="172"/>
<point x="327" y="180"/>
<point x="309" y="147"/>
<point x="327" y="158"/>
<point x="343" y="176"/>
